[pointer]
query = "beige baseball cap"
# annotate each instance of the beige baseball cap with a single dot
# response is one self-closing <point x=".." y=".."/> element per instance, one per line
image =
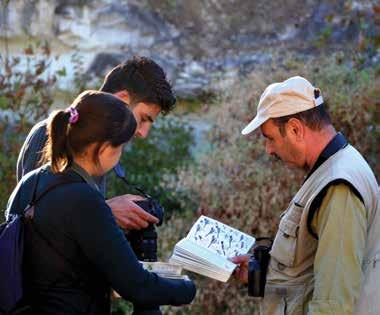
<point x="289" y="97"/>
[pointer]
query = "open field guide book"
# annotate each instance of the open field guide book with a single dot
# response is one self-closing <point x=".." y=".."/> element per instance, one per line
<point x="207" y="247"/>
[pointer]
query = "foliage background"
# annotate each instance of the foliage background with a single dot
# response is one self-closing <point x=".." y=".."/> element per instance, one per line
<point x="234" y="181"/>
<point x="25" y="96"/>
<point x="150" y="162"/>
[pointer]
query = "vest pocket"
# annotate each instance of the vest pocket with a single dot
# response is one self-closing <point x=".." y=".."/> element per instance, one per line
<point x="285" y="242"/>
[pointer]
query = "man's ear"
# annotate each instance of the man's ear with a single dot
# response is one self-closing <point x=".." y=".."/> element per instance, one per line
<point x="295" y="128"/>
<point x="124" y="96"/>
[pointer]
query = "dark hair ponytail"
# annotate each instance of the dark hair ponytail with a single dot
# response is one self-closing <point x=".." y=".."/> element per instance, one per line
<point x="56" y="150"/>
<point x="100" y="117"/>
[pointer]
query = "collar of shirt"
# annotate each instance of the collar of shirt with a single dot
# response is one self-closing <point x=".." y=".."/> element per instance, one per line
<point x="336" y="143"/>
<point x="83" y="173"/>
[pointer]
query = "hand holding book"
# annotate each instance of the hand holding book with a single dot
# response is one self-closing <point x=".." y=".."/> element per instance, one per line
<point x="207" y="247"/>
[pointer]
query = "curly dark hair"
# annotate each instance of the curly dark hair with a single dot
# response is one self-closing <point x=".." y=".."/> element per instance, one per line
<point x="144" y="80"/>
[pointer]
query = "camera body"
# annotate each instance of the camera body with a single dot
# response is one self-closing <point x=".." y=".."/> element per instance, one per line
<point x="257" y="270"/>
<point x="144" y="241"/>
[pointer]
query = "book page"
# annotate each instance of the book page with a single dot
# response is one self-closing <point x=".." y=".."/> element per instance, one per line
<point x="220" y="238"/>
<point x="200" y="255"/>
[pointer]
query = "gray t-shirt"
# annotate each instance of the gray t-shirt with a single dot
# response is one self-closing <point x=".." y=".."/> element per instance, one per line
<point x="31" y="152"/>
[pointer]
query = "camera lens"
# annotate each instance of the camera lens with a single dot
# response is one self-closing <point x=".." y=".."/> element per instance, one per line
<point x="144" y="242"/>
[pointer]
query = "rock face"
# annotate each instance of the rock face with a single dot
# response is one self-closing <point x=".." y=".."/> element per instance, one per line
<point x="202" y="45"/>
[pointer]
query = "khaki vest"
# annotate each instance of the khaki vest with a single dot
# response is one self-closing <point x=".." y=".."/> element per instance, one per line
<point x="290" y="279"/>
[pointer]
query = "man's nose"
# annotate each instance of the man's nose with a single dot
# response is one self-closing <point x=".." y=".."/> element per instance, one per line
<point x="142" y="132"/>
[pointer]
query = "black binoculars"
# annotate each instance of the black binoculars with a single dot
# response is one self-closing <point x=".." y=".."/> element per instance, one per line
<point x="257" y="270"/>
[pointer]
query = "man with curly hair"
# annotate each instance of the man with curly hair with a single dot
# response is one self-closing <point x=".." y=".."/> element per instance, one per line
<point x="142" y="85"/>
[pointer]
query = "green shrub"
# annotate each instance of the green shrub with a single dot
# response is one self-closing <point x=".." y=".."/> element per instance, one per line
<point x="151" y="162"/>
<point x="25" y="96"/>
<point x="121" y="307"/>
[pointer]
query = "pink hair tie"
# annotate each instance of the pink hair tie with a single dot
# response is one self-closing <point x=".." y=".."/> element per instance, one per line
<point x="74" y="115"/>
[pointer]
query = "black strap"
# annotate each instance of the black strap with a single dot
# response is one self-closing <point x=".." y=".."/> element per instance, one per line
<point x="120" y="172"/>
<point x="34" y="192"/>
<point x="264" y="238"/>
<point x="59" y="181"/>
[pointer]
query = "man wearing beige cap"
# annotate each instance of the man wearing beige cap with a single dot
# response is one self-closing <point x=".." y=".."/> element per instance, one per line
<point x="325" y="258"/>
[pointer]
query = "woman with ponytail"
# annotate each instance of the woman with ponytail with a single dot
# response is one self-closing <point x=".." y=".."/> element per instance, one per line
<point x="74" y="251"/>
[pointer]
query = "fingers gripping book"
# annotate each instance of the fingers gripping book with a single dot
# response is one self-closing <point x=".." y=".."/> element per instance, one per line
<point x="207" y="247"/>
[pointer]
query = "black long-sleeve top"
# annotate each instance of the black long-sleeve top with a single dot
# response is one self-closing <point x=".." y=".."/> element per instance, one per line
<point x="78" y="222"/>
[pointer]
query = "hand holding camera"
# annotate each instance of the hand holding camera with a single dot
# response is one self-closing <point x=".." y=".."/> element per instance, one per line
<point x="144" y="241"/>
<point x="128" y="214"/>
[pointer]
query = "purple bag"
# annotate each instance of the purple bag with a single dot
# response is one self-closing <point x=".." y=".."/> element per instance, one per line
<point x="12" y="249"/>
<point x="11" y="253"/>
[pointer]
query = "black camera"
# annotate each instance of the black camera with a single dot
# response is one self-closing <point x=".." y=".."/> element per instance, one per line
<point x="257" y="269"/>
<point x="144" y="241"/>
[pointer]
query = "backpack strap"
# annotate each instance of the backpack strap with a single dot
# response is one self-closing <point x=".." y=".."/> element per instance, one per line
<point x="59" y="181"/>
<point x="34" y="192"/>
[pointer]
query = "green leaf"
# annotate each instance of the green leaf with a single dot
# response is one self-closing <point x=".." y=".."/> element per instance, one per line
<point x="62" y="72"/>
<point x="3" y="102"/>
